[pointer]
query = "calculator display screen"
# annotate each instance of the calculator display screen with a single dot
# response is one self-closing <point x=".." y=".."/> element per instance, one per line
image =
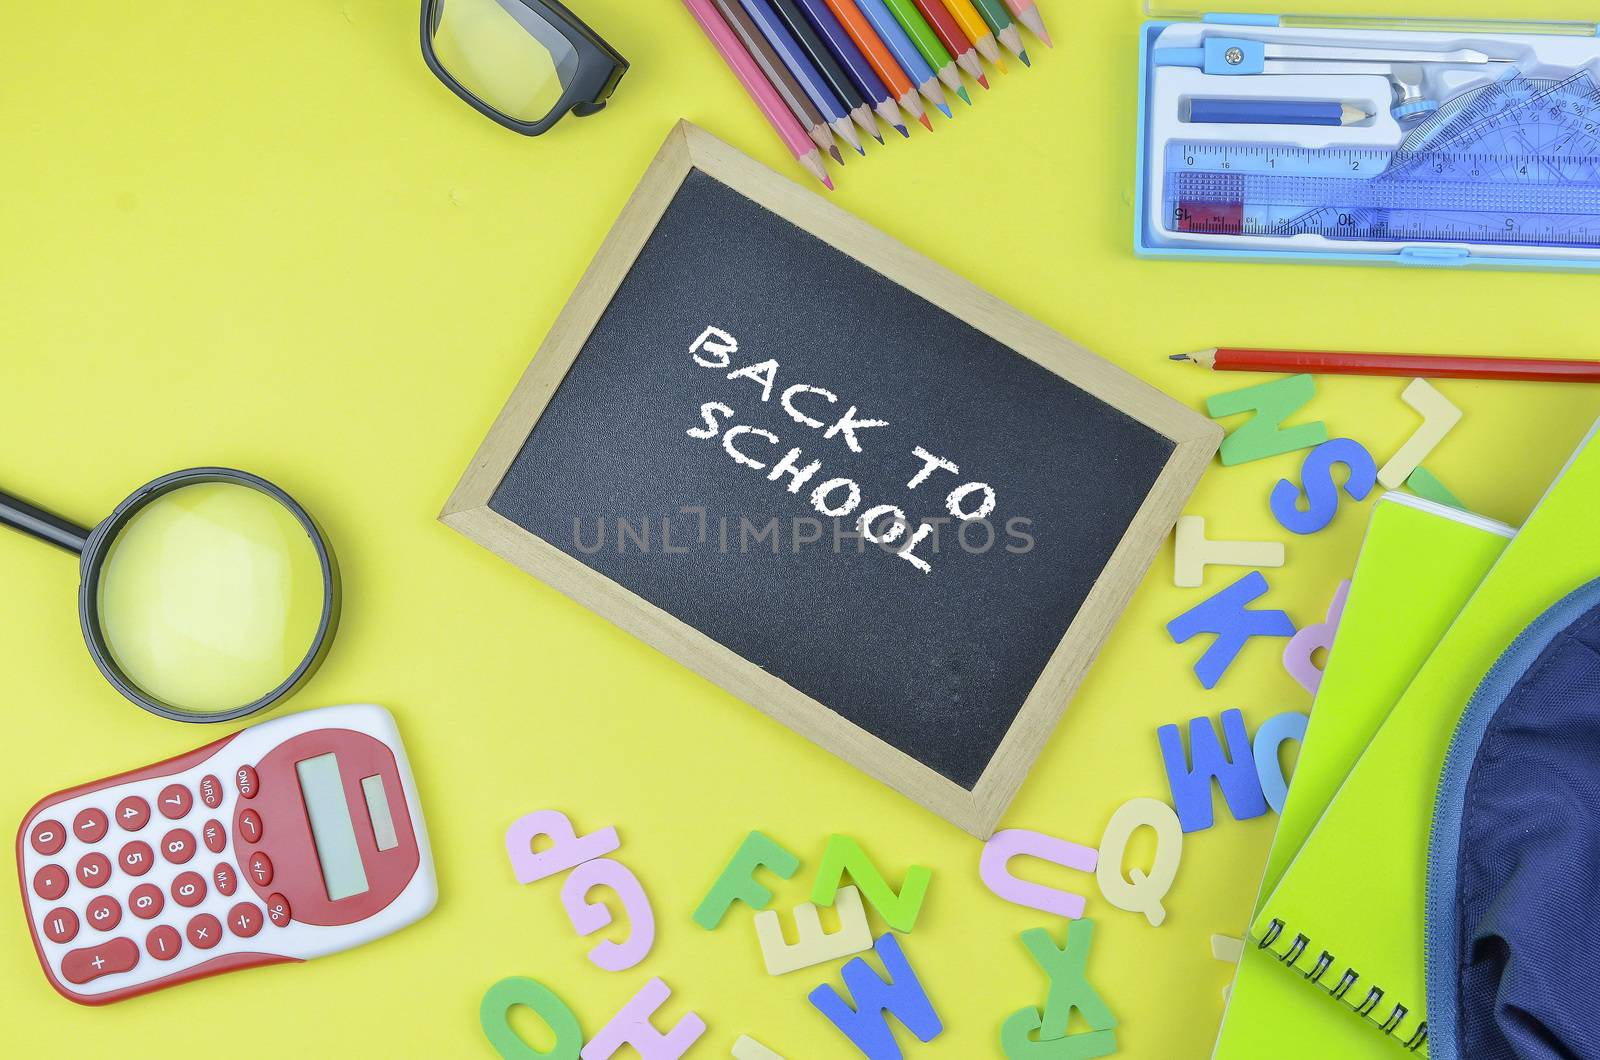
<point x="331" y="827"/>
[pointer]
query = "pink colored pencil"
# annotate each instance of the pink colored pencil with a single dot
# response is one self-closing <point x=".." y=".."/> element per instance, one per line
<point x="1027" y="13"/>
<point x="755" y="82"/>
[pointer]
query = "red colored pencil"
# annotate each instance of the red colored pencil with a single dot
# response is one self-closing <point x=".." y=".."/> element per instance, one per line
<point x="1430" y="366"/>
<point x="957" y="43"/>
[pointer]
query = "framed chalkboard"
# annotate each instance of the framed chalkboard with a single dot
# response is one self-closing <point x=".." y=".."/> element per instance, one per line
<point x="834" y="478"/>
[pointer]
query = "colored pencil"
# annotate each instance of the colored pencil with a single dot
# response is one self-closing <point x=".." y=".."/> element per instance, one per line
<point x="853" y="60"/>
<point x="977" y="30"/>
<point x="782" y="80"/>
<point x="1412" y="365"/>
<point x="928" y="43"/>
<point x="954" y="40"/>
<point x="999" y="19"/>
<point x="849" y="96"/>
<point x="804" y="70"/>
<point x="900" y="45"/>
<point x="1027" y="13"/>
<point x="744" y="67"/>
<point x="878" y="54"/>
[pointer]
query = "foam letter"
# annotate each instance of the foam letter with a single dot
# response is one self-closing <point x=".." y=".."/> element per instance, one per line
<point x="747" y="1048"/>
<point x="901" y="995"/>
<point x="1269" y="767"/>
<point x="1225" y="615"/>
<point x="587" y="918"/>
<point x="1263" y="434"/>
<point x="1069" y="982"/>
<point x="631" y="1026"/>
<point x="812" y="944"/>
<point x="1192" y="553"/>
<point x="1321" y="493"/>
<point x="844" y="855"/>
<point x="1438" y="417"/>
<point x="505" y="995"/>
<point x="1426" y="484"/>
<point x="1017" y="1045"/>
<point x="1140" y="891"/>
<point x="1297" y="654"/>
<point x="716" y="342"/>
<point x="1234" y="772"/>
<point x="566" y="850"/>
<point x="994" y="869"/>
<point x="737" y="881"/>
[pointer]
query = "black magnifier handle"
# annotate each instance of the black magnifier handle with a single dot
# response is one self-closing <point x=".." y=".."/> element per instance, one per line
<point x="46" y="526"/>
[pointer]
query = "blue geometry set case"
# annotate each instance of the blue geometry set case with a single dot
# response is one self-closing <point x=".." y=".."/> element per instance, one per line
<point x="1370" y="141"/>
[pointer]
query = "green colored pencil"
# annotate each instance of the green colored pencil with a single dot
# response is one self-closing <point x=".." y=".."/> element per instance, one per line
<point x="994" y="12"/>
<point x="928" y="43"/>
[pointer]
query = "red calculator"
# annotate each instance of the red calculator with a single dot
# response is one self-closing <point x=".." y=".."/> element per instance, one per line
<point x="288" y="840"/>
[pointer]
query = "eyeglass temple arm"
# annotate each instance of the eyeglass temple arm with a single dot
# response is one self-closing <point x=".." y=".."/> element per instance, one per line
<point x="46" y="526"/>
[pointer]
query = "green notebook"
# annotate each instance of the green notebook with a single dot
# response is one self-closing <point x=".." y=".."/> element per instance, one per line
<point x="1348" y="912"/>
<point x="1419" y="563"/>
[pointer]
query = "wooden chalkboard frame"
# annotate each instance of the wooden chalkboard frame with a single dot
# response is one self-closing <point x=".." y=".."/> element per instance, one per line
<point x="977" y="811"/>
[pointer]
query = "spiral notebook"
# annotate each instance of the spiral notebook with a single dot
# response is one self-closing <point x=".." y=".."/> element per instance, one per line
<point x="1346" y="920"/>
<point x="1419" y="563"/>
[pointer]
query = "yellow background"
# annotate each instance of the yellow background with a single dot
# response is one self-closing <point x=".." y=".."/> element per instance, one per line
<point x="261" y="234"/>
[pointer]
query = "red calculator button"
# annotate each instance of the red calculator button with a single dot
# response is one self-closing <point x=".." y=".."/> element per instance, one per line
<point x="94" y="870"/>
<point x="204" y="931"/>
<point x="133" y="813"/>
<point x="174" y="801"/>
<point x="61" y="925"/>
<point x="137" y="858"/>
<point x="146" y="901"/>
<point x="260" y="869"/>
<point x="244" y="919"/>
<point x="48" y="837"/>
<point x="278" y="910"/>
<point x="247" y="781"/>
<point x="189" y="889"/>
<point x="225" y="880"/>
<point x="250" y="826"/>
<point x="177" y="846"/>
<point x="211" y="791"/>
<point x="90" y="825"/>
<point x="163" y="943"/>
<point x="214" y="836"/>
<point x="104" y="913"/>
<point x="108" y="958"/>
<point x="50" y="882"/>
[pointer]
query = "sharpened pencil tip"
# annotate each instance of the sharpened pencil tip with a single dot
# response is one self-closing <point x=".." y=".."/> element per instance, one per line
<point x="1023" y="55"/>
<point x="837" y="157"/>
<point x="827" y="182"/>
<point x="903" y="131"/>
<point x="944" y="108"/>
<point x="984" y="81"/>
<point x="1178" y="357"/>
<point x="926" y="124"/>
<point x="962" y="92"/>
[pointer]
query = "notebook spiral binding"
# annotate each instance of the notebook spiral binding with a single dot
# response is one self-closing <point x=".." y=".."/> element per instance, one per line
<point x="1341" y="990"/>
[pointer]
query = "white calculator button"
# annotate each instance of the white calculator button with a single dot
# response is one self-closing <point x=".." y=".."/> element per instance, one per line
<point x="104" y="913"/>
<point x="204" y="931"/>
<point x="50" y="882"/>
<point x="189" y="889"/>
<point x="177" y="846"/>
<point x="90" y="825"/>
<point x="225" y="880"/>
<point x="133" y="813"/>
<point x="146" y="901"/>
<point x="94" y="870"/>
<point x="211" y="791"/>
<point x="61" y="925"/>
<point x="163" y="943"/>
<point x="174" y="801"/>
<point x="48" y="837"/>
<point x="107" y="958"/>
<point x="136" y="858"/>
<point x="214" y="836"/>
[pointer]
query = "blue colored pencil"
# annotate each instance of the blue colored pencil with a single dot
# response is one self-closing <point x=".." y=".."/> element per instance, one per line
<point x="1243" y="111"/>
<point x="905" y="52"/>
<point x="804" y="70"/>
<point x="854" y="62"/>
<point x="828" y="66"/>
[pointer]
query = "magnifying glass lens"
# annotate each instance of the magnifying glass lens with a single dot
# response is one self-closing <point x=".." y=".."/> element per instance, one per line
<point x="210" y="596"/>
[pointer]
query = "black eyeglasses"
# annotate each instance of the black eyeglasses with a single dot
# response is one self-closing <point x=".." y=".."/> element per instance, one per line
<point x="524" y="63"/>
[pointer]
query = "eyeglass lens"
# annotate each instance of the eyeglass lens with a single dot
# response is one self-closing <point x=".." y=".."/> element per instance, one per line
<point x="505" y="53"/>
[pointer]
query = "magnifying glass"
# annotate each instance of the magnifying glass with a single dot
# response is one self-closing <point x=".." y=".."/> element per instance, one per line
<point x="207" y="595"/>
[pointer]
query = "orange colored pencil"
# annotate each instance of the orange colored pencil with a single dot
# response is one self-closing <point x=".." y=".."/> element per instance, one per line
<point x="878" y="54"/>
